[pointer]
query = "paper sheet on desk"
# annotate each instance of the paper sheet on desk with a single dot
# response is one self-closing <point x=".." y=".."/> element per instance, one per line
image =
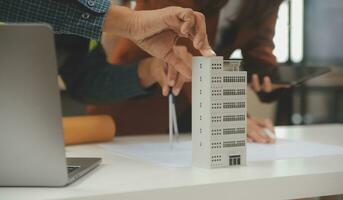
<point x="181" y="154"/>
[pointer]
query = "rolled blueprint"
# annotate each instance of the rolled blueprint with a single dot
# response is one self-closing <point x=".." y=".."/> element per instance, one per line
<point x="88" y="129"/>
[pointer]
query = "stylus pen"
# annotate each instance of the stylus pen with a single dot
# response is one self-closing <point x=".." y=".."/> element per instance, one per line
<point x="170" y="103"/>
<point x="175" y="126"/>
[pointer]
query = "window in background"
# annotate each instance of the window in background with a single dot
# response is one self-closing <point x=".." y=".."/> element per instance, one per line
<point x="289" y="32"/>
<point x="323" y="30"/>
<point x="297" y="30"/>
<point x="281" y="38"/>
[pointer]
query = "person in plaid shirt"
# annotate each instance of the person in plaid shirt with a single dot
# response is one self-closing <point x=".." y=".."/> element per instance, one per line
<point x="154" y="31"/>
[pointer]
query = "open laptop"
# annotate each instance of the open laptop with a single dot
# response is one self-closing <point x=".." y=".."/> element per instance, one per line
<point x="31" y="134"/>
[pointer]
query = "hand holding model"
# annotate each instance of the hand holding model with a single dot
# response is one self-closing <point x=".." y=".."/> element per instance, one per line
<point x="156" y="32"/>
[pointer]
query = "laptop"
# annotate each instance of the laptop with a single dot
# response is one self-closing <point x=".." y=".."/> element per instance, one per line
<point x="31" y="134"/>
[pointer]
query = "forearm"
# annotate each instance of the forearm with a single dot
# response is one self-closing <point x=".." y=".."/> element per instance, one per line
<point x="95" y="81"/>
<point x="258" y="52"/>
<point x="118" y="21"/>
<point x="109" y="85"/>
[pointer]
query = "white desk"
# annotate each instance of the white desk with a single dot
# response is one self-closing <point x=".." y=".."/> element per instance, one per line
<point x="121" y="178"/>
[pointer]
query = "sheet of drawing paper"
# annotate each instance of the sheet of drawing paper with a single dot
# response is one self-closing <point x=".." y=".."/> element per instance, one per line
<point x="180" y="155"/>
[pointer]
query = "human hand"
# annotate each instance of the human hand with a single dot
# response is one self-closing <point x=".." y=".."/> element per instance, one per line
<point x="267" y="85"/>
<point x="151" y="71"/>
<point x="175" y="79"/>
<point x="156" y="31"/>
<point x="256" y="128"/>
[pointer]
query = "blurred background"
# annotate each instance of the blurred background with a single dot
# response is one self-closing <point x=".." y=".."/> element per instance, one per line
<point x="308" y="33"/>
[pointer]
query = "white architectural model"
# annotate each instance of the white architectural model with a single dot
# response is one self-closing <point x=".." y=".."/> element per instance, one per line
<point x="218" y="113"/>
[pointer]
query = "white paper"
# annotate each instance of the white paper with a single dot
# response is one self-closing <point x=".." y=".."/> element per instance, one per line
<point x="180" y="155"/>
<point x="158" y="153"/>
<point x="286" y="149"/>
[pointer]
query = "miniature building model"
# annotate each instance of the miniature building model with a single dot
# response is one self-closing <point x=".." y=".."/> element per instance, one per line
<point x="219" y="111"/>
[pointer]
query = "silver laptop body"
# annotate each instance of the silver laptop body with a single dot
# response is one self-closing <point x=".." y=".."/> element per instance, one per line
<point x="31" y="134"/>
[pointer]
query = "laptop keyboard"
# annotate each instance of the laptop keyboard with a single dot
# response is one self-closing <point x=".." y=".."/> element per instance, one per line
<point x="72" y="168"/>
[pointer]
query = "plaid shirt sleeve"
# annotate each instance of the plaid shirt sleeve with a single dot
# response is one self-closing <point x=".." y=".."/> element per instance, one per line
<point x="79" y="17"/>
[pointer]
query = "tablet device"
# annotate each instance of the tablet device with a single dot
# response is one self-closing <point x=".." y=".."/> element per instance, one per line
<point x="291" y="75"/>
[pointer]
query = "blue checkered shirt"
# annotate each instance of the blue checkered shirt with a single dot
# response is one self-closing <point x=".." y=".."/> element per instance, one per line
<point x="79" y="17"/>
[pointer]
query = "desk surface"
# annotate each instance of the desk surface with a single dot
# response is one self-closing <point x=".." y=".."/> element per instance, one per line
<point x="122" y="178"/>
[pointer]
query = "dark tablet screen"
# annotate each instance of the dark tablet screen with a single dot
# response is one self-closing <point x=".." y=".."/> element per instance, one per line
<point x="292" y="75"/>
